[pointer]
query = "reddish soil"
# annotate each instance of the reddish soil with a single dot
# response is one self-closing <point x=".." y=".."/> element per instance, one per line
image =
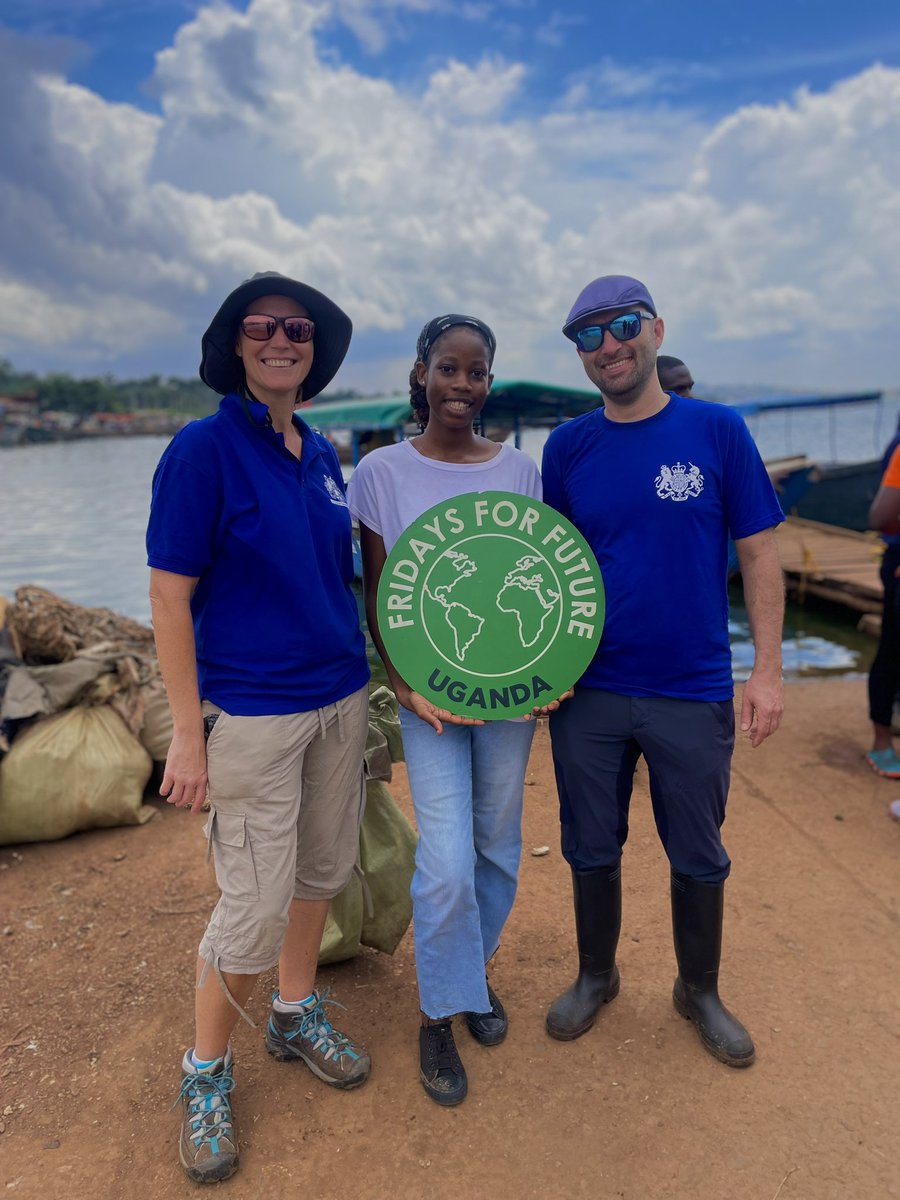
<point x="98" y="939"/>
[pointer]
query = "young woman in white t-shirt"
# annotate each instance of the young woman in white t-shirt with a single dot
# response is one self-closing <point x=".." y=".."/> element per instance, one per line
<point x="466" y="776"/>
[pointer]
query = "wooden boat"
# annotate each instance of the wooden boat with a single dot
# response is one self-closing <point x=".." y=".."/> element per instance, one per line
<point x="842" y="495"/>
<point x="843" y="491"/>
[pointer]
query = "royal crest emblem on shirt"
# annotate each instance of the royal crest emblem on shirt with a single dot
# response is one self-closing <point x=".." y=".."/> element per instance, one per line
<point x="679" y="482"/>
<point x="335" y="495"/>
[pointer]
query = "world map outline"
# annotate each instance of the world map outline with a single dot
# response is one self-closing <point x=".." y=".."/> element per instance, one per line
<point x="548" y="598"/>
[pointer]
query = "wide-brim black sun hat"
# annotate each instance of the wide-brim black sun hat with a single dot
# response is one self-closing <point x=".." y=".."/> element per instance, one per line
<point x="221" y="367"/>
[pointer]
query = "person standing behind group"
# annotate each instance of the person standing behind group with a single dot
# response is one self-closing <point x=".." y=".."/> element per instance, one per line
<point x="257" y="631"/>
<point x="884" y="674"/>
<point x="674" y="375"/>
<point x="466" y="777"/>
<point x="655" y="482"/>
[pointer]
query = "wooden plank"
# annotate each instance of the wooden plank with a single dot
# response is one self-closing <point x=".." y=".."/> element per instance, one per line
<point x="854" y="602"/>
<point x="833" y="564"/>
<point x="804" y="525"/>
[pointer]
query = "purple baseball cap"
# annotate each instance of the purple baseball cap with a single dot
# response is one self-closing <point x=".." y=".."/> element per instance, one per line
<point x="606" y="293"/>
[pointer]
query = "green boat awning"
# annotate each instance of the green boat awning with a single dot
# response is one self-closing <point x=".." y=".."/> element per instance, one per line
<point x="376" y="412"/>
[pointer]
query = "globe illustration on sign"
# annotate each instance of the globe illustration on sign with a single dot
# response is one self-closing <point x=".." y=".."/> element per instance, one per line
<point x="493" y="598"/>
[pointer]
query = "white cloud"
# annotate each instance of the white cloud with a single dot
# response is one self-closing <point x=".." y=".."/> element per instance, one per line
<point x="102" y="324"/>
<point x="613" y="79"/>
<point x="473" y="92"/>
<point x="817" y="182"/>
<point x="762" y="237"/>
<point x="373" y="21"/>
<point x="610" y="80"/>
<point x="377" y="22"/>
<point x="557" y="28"/>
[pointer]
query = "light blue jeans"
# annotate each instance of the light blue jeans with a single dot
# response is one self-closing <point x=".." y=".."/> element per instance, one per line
<point x="466" y="790"/>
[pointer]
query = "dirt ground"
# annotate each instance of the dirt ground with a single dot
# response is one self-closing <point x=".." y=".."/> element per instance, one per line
<point x="97" y="942"/>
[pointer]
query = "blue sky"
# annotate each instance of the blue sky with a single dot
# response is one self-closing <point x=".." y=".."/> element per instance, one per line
<point x="414" y="156"/>
<point x="710" y="54"/>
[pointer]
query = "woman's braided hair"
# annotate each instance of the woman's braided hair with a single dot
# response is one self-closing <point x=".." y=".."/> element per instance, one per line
<point x="417" y="401"/>
<point x="425" y="344"/>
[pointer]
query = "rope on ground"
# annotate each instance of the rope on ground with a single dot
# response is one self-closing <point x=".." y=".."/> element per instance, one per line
<point x="47" y="628"/>
<point x="784" y="1181"/>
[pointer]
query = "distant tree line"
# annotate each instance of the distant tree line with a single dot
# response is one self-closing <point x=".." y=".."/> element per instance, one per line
<point x="64" y="393"/>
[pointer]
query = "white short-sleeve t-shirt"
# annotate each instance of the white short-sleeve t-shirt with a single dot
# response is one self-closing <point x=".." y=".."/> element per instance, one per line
<point x="394" y="485"/>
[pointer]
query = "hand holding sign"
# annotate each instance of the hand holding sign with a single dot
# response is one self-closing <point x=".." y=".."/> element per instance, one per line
<point x="430" y="713"/>
<point x="491" y="605"/>
<point x="544" y="710"/>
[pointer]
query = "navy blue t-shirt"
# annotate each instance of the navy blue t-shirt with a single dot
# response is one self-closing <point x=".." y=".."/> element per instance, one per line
<point x="656" y="500"/>
<point x="268" y="537"/>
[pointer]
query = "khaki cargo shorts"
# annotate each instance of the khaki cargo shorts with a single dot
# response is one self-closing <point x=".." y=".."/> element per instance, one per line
<point x="287" y="795"/>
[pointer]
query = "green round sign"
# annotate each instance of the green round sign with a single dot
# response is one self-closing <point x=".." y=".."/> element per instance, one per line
<point x="491" y="603"/>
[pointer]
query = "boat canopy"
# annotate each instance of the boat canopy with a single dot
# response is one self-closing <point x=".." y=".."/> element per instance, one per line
<point x="749" y="408"/>
<point x="376" y="412"/>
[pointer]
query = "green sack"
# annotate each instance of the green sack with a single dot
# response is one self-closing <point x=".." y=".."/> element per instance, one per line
<point x="383" y="717"/>
<point x="387" y="854"/>
<point x="375" y="907"/>
<point x="340" y="940"/>
<point x="80" y="769"/>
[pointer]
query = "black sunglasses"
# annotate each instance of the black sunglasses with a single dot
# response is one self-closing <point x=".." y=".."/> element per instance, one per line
<point x="260" y="327"/>
<point x="623" y="329"/>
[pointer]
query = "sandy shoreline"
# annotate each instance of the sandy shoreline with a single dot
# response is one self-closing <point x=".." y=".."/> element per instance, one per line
<point x="95" y="1009"/>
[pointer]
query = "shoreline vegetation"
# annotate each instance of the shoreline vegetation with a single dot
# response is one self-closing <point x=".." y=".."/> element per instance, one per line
<point x="59" y="407"/>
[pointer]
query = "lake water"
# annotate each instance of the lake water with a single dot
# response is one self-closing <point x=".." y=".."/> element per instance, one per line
<point x="74" y="516"/>
<point x="73" y="520"/>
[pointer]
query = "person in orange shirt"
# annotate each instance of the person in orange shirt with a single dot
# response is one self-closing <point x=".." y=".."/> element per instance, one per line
<point x="884" y="677"/>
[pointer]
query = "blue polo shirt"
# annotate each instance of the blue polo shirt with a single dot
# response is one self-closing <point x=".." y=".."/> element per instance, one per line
<point x="656" y="500"/>
<point x="268" y="537"/>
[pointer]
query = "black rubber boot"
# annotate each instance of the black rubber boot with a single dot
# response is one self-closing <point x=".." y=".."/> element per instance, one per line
<point x="598" y="919"/>
<point x="697" y="926"/>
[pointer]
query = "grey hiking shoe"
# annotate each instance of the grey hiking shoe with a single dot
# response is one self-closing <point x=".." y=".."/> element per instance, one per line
<point x="208" y="1147"/>
<point x="308" y="1035"/>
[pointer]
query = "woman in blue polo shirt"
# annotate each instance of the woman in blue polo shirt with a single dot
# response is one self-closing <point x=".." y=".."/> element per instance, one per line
<point x="264" y="663"/>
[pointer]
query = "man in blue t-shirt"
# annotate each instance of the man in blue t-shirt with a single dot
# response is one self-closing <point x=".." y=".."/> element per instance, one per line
<point x="656" y="482"/>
